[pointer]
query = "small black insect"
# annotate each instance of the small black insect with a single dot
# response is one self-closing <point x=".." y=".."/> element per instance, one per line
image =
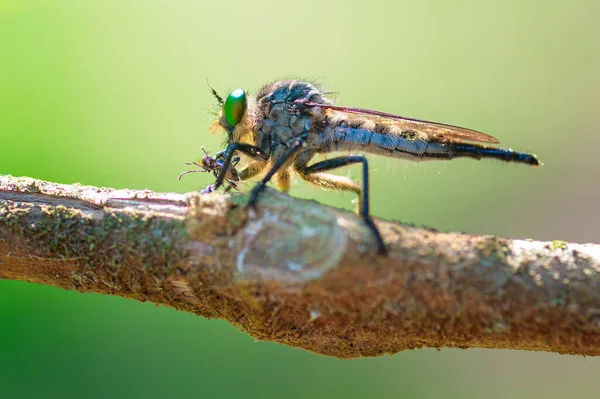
<point x="208" y="164"/>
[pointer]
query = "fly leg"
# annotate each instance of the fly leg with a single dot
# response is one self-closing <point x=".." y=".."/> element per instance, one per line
<point x="252" y="170"/>
<point x="230" y="185"/>
<point x="247" y="173"/>
<point x="332" y="182"/>
<point x="250" y="150"/>
<point x="230" y="180"/>
<point x="279" y="163"/>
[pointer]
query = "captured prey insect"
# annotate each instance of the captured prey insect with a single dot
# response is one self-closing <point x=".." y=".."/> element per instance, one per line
<point x="208" y="164"/>
<point x="288" y="122"/>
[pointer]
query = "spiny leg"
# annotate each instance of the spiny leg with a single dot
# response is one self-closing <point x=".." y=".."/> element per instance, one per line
<point x="252" y="170"/>
<point x="250" y="150"/>
<point x="279" y="163"/>
<point x="334" y="163"/>
<point x="333" y="182"/>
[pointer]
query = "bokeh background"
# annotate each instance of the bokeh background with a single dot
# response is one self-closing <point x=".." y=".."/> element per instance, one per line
<point x="113" y="93"/>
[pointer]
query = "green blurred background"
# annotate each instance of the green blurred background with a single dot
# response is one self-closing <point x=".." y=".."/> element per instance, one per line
<point x="113" y="93"/>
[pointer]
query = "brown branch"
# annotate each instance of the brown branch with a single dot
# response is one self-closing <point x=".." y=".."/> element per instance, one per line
<point x="301" y="273"/>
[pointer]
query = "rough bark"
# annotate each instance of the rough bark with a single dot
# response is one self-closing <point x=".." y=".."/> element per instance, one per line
<point x="301" y="273"/>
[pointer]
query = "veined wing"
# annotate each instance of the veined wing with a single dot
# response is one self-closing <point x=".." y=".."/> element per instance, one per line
<point x="434" y="131"/>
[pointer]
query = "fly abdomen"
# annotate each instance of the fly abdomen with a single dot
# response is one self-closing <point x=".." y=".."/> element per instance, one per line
<point x="348" y="138"/>
<point x="478" y="152"/>
<point x="440" y="150"/>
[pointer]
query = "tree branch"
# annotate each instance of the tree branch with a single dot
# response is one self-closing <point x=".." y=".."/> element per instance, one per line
<point x="301" y="273"/>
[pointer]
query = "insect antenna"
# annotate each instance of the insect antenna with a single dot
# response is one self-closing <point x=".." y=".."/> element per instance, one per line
<point x="214" y="93"/>
<point x="203" y="150"/>
<point x="192" y="171"/>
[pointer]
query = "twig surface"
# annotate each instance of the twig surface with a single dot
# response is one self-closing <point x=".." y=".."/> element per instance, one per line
<point x="301" y="273"/>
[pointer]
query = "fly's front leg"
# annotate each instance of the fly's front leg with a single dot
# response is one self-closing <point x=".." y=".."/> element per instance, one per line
<point x="335" y="163"/>
<point x="247" y="173"/>
<point x="279" y="163"/>
<point x="250" y="150"/>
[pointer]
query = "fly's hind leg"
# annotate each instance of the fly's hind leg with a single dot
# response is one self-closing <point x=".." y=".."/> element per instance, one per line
<point x="332" y="182"/>
<point x="312" y="174"/>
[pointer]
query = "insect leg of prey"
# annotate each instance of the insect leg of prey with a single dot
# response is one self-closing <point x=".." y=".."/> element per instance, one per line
<point x="208" y="164"/>
<point x="335" y="163"/>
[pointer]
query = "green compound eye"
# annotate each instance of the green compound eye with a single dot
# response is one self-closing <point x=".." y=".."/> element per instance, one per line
<point x="235" y="107"/>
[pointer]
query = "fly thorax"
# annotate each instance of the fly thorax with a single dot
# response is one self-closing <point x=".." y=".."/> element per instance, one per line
<point x="282" y="115"/>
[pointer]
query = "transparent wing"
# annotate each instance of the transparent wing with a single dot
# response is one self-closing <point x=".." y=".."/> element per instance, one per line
<point x="431" y="131"/>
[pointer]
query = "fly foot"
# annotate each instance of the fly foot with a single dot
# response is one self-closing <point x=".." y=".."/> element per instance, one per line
<point x="208" y="189"/>
<point x="380" y="244"/>
<point x="253" y="199"/>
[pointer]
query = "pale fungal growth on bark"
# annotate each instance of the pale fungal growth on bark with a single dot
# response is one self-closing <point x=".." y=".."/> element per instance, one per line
<point x="301" y="273"/>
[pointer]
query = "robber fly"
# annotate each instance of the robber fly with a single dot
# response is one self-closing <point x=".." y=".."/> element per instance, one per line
<point x="288" y="122"/>
<point x="208" y="164"/>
